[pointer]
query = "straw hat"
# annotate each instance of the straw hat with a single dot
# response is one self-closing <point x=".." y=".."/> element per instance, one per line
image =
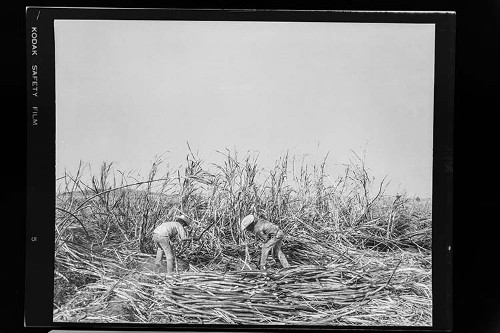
<point x="183" y="218"/>
<point x="247" y="220"/>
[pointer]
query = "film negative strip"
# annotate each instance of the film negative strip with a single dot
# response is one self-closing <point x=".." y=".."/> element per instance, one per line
<point x="202" y="169"/>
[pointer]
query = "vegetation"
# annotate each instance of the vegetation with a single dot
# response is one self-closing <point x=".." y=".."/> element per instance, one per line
<point x="358" y="257"/>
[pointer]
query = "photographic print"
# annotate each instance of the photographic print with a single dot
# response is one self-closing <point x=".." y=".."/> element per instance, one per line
<point x="243" y="172"/>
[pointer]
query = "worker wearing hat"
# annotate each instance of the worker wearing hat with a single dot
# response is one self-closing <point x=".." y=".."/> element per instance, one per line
<point x="165" y="234"/>
<point x="271" y="234"/>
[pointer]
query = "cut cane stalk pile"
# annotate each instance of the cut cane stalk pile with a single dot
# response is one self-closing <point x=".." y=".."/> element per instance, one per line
<point x="344" y="292"/>
<point x="355" y="259"/>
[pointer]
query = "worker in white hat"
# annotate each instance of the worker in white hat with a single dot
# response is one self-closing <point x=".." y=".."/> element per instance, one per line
<point x="271" y="234"/>
<point x="165" y="234"/>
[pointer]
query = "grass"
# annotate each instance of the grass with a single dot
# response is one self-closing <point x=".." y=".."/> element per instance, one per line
<point x="358" y="257"/>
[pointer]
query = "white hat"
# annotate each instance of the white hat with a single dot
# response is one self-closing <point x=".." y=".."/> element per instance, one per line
<point x="247" y="220"/>
<point x="183" y="218"/>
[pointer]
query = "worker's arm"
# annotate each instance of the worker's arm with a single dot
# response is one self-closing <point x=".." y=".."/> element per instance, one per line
<point x="181" y="232"/>
<point x="262" y="236"/>
<point x="269" y="230"/>
<point x="184" y="237"/>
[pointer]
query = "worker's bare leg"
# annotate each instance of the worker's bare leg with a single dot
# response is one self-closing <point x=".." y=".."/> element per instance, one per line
<point x="265" y="251"/>
<point x="159" y="254"/>
<point x="164" y="247"/>
<point x="281" y="256"/>
<point x="159" y="251"/>
<point x="263" y="257"/>
<point x="169" y="254"/>
<point x="277" y="253"/>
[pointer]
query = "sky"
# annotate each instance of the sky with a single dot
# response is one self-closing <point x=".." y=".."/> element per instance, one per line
<point x="127" y="91"/>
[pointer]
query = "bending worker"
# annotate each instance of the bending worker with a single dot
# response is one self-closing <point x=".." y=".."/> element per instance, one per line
<point x="165" y="234"/>
<point x="269" y="233"/>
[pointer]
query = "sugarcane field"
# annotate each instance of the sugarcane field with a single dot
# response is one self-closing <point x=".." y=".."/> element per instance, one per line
<point x="234" y="243"/>
<point x="243" y="173"/>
